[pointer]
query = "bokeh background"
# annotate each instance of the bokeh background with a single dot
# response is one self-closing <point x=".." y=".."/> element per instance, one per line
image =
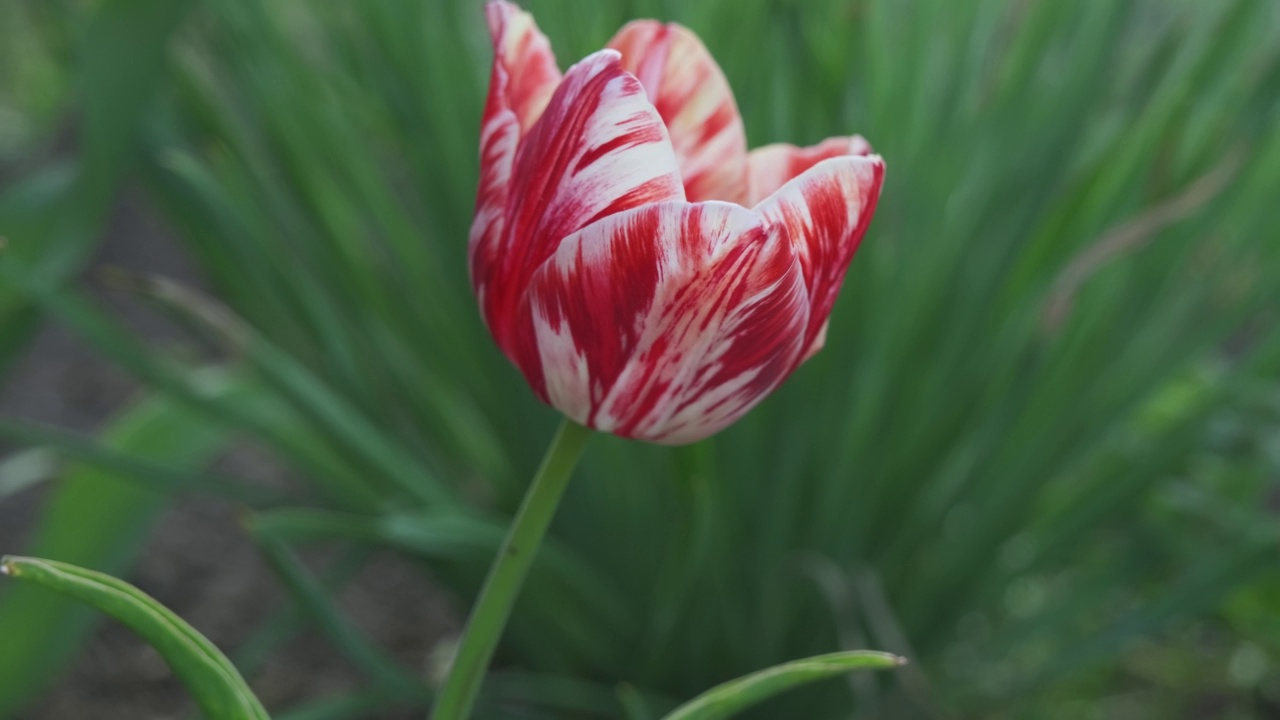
<point x="1040" y="454"/>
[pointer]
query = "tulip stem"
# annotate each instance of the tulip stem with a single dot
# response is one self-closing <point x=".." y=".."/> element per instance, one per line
<point x="507" y="574"/>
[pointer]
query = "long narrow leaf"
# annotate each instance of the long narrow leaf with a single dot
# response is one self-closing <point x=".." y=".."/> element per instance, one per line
<point x="735" y="696"/>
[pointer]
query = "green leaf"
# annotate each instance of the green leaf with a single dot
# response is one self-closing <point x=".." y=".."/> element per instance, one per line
<point x="213" y="681"/>
<point x="734" y="696"/>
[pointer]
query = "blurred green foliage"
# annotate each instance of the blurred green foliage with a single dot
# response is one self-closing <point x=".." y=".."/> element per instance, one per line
<point x="1039" y="454"/>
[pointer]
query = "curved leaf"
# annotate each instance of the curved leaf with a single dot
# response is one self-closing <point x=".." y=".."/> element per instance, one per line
<point x="213" y="681"/>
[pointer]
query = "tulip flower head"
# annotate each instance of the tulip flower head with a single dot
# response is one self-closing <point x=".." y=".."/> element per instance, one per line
<point x="647" y="274"/>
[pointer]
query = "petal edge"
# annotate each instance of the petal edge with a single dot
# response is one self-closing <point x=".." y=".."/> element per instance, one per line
<point x="771" y="166"/>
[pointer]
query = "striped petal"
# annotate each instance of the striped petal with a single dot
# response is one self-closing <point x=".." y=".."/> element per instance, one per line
<point x="824" y="212"/>
<point x="524" y="68"/>
<point x="692" y="95"/>
<point x="771" y="166"/>
<point x="598" y="149"/>
<point x="666" y="323"/>
<point x="521" y="83"/>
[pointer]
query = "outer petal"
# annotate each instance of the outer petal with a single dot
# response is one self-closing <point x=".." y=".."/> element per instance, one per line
<point x="666" y="323"/>
<point x="770" y="166"/>
<point x="824" y="213"/>
<point x="523" y="78"/>
<point x="692" y="95"/>
<point x="598" y="149"/>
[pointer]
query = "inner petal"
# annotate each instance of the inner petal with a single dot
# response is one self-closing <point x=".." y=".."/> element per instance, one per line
<point x="695" y="101"/>
<point x="772" y="166"/>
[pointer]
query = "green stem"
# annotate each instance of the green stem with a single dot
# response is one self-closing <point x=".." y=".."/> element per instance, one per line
<point x="506" y="575"/>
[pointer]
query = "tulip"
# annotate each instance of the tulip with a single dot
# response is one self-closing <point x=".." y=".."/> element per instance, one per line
<point x="647" y="274"/>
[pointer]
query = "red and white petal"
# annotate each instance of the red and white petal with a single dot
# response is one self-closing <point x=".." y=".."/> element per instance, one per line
<point x="599" y="148"/>
<point x="666" y="323"/>
<point x="524" y="68"/>
<point x="825" y="213"/>
<point x="692" y="95"/>
<point x="522" y="80"/>
<point x="771" y="166"/>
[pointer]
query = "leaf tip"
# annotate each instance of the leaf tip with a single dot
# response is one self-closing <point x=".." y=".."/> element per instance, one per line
<point x="899" y="661"/>
<point x="6" y="567"/>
